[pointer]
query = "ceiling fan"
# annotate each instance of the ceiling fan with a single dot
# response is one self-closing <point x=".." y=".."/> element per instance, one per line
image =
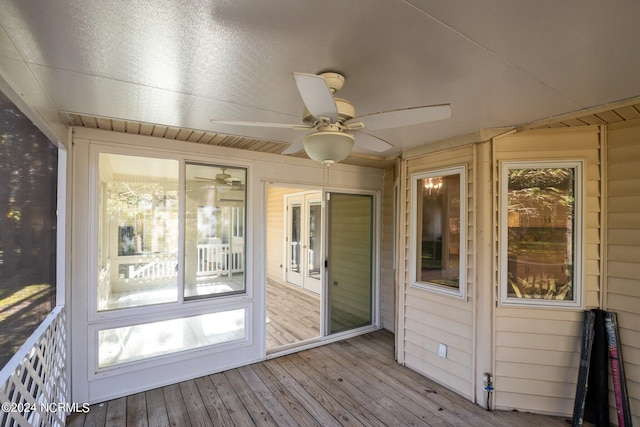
<point x="223" y="181"/>
<point x="221" y="178"/>
<point x="331" y="123"/>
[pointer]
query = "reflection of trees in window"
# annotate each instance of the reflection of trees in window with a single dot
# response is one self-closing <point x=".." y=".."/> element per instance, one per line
<point x="144" y="210"/>
<point x="209" y="223"/>
<point x="28" y="191"/>
<point x="541" y="227"/>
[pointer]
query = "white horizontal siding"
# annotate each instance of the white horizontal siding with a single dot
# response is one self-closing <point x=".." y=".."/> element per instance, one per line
<point x="537" y="350"/>
<point x="541" y="396"/>
<point x="431" y="319"/>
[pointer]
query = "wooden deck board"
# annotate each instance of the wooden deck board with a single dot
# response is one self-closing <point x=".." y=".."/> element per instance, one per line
<point x="407" y="400"/>
<point x="394" y="385"/>
<point x="257" y="412"/>
<point x="327" y="398"/>
<point x="281" y="392"/>
<point x="157" y="408"/>
<point x="306" y="398"/>
<point x="213" y="402"/>
<point x="292" y="315"/>
<point x="176" y="408"/>
<point x="411" y="380"/>
<point x="136" y="410"/>
<point x="280" y="415"/>
<point x="116" y="412"/>
<point x="194" y="405"/>
<point x="408" y="380"/>
<point x="331" y="378"/>
<point x="462" y="408"/>
<point x="349" y="383"/>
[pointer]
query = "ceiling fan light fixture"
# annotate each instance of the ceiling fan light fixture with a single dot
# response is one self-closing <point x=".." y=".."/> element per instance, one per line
<point x="328" y="147"/>
<point x="328" y="118"/>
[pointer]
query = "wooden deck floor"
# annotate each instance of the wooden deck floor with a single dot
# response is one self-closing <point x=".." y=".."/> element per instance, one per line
<point x="350" y="383"/>
<point x="293" y="315"/>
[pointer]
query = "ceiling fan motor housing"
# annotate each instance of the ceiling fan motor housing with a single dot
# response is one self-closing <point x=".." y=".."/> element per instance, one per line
<point x="335" y="81"/>
<point x="346" y="111"/>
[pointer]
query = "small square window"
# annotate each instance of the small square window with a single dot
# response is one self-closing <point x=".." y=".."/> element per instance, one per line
<point x="438" y="225"/>
<point x="541" y="233"/>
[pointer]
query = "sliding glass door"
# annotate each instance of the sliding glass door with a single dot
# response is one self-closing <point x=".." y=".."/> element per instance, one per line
<point x="329" y="241"/>
<point x="350" y="266"/>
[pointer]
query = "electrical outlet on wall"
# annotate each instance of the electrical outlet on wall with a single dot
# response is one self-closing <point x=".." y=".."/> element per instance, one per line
<point x="442" y="351"/>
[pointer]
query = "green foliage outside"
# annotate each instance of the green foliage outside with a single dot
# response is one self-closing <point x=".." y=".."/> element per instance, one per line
<point x="28" y="184"/>
<point x="540" y="234"/>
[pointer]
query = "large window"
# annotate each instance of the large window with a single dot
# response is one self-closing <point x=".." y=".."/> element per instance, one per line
<point x="438" y="230"/>
<point x="170" y="232"/>
<point x="214" y="227"/>
<point x="28" y="192"/>
<point x="541" y="233"/>
<point x="140" y="231"/>
<point x="143" y="341"/>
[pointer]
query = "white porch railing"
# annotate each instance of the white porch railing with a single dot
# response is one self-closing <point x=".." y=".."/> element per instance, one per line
<point x="154" y="270"/>
<point x="214" y="259"/>
<point x="34" y="391"/>
<point x="220" y="259"/>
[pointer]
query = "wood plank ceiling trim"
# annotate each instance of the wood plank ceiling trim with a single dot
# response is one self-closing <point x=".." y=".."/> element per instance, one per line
<point x="170" y="132"/>
<point x="203" y="137"/>
<point x="607" y="114"/>
<point x="602" y="115"/>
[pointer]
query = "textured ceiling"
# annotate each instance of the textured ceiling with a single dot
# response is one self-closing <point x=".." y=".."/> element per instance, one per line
<point x="174" y="65"/>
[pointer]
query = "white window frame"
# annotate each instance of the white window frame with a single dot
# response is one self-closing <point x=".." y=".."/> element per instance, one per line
<point x="182" y="307"/>
<point x="96" y="315"/>
<point x="578" y="253"/>
<point x="461" y="292"/>
<point x="97" y="372"/>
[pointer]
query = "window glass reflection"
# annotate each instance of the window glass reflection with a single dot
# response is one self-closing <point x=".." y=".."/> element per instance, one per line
<point x="438" y="227"/>
<point x="137" y="231"/>
<point x="214" y="230"/>
<point x="541" y="230"/>
<point x="138" y="342"/>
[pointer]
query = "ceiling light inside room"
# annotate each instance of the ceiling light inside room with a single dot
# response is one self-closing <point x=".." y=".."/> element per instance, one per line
<point x="328" y="146"/>
<point x="433" y="185"/>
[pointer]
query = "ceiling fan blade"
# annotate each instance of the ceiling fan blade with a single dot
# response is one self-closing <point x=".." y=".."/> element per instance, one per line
<point x="294" y="148"/>
<point x="371" y="142"/>
<point x="259" y="124"/>
<point x="317" y="96"/>
<point x="404" y="117"/>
